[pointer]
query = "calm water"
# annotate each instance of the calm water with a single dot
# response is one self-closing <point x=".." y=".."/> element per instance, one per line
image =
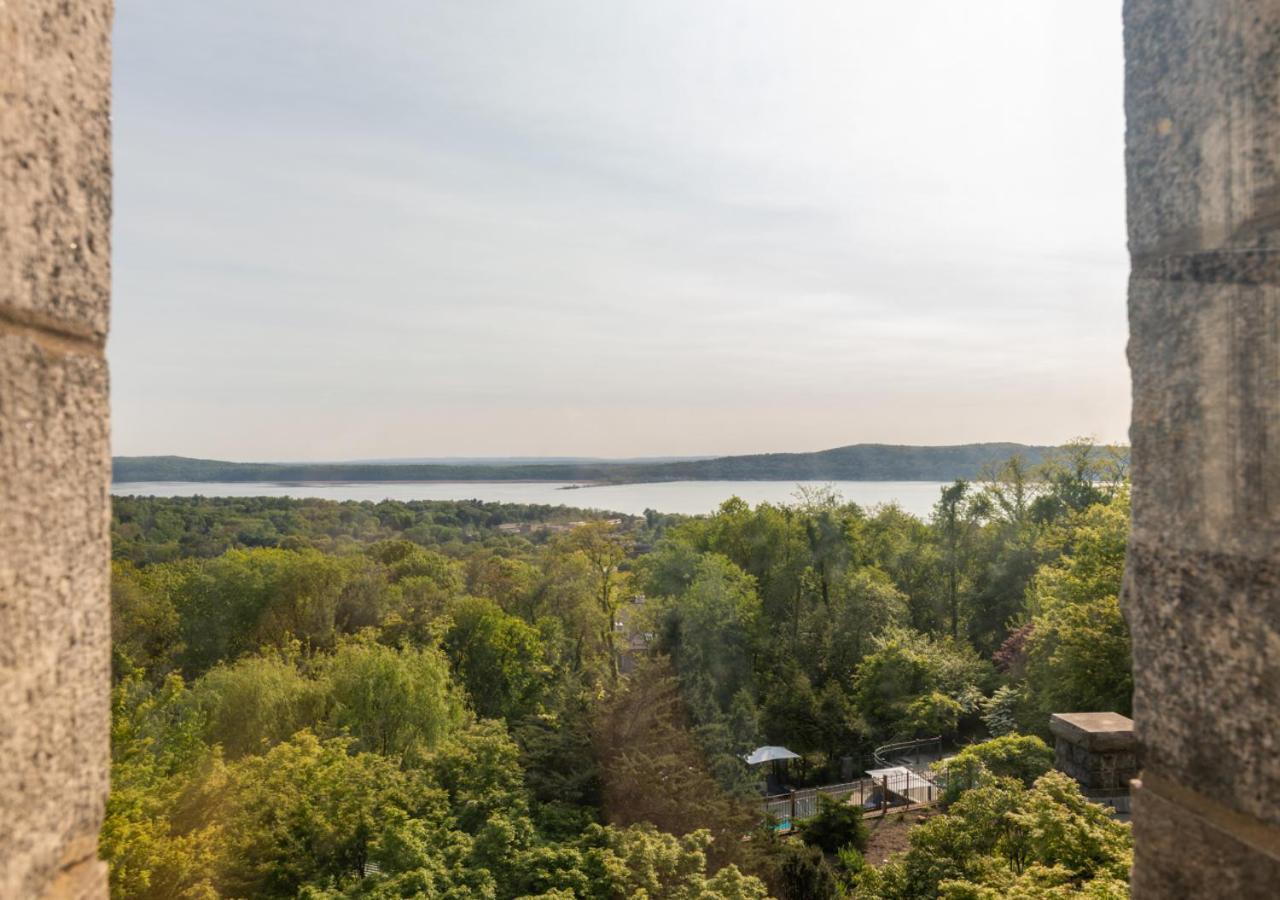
<point x="687" y="497"/>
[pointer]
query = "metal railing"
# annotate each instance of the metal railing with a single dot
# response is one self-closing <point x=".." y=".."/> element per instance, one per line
<point x="901" y="752"/>
<point x="797" y="806"/>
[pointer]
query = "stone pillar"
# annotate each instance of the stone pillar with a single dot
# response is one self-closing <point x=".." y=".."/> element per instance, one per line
<point x="55" y="208"/>
<point x="1202" y="592"/>
<point x="1096" y="749"/>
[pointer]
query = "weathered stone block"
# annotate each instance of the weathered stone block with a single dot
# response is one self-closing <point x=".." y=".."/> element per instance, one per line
<point x="1206" y="661"/>
<point x="55" y="163"/>
<point x="1202" y="107"/>
<point x="1205" y="358"/>
<point x="1095" y="731"/>
<point x="1184" y="849"/>
<point x="1096" y="749"/>
<point x="54" y="612"/>
<point x="1202" y="595"/>
<point x="1202" y="587"/>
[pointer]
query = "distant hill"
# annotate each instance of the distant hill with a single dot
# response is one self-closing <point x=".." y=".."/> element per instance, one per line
<point x="859" y="462"/>
<point x="513" y="460"/>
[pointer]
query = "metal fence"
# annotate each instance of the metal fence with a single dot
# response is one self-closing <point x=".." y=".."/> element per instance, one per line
<point x="803" y="804"/>
<point x="787" y="809"/>
<point x="916" y="788"/>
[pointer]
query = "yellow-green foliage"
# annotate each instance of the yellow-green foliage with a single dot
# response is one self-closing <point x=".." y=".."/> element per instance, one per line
<point x="1024" y="757"/>
<point x="1001" y="839"/>
<point x="1078" y="656"/>
<point x="404" y="689"/>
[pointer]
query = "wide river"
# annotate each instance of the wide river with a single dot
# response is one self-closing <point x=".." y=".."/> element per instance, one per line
<point x="686" y="497"/>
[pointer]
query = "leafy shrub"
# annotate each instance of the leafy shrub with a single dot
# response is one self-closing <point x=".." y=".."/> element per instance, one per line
<point x="1020" y="756"/>
<point x="1002" y="840"/>
<point x="805" y="875"/>
<point x="837" y="824"/>
<point x="851" y="860"/>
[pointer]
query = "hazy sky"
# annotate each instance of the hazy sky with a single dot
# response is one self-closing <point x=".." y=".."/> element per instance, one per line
<point x="413" y="228"/>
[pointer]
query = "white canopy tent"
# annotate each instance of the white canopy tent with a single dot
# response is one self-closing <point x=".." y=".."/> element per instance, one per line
<point x="769" y="754"/>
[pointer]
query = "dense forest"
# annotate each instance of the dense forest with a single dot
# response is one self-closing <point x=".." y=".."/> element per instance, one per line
<point x="461" y="699"/>
<point x="860" y="462"/>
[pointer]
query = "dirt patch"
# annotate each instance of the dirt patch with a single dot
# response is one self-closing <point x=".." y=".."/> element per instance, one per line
<point x="889" y="834"/>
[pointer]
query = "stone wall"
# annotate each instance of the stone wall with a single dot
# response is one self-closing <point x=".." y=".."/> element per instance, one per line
<point x="1100" y="770"/>
<point x="55" y="207"/>
<point x="1096" y="749"/>
<point x="1202" y="591"/>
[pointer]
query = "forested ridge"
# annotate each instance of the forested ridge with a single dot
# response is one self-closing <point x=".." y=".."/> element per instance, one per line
<point x="859" y="462"/>
<point x="371" y="700"/>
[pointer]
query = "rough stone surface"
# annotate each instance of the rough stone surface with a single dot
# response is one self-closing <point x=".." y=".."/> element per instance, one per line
<point x="1207" y="671"/>
<point x="55" y="162"/>
<point x="1094" y="730"/>
<point x="1181" y="852"/>
<point x="1202" y="583"/>
<point x="1096" y="770"/>
<point x="1097" y="749"/>
<point x="54" y="626"/>
<point x="54" y="456"/>
<point x="1206" y="367"/>
<point x="1201" y="103"/>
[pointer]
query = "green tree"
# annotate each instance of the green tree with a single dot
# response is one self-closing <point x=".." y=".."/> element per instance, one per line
<point x="911" y="683"/>
<point x="669" y="569"/>
<point x="1024" y="757"/>
<point x="710" y="629"/>
<point x="310" y="812"/>
<point x="640" y="861"/>
<point x="830" y="527"/>
<point x="390" y="700"/>
<point x="565" y="591"/>
<point x="1078" y="659"/>
<point x="903" y="547"/>
<point x="500" y="660"/>
<point x="556" y="750"/>
<point x="864" y="603"/>
<point x="1005" y="553"/>
<point x="245" y="599"/>
<point x="804" y="874"/>
<point x="792" y="713"/>
<point x="1001" y="711"/>
<point x="156" y="743"/>
<point x="605" y="551"/>
<point x="507" y="581"/>
<point x="146" y="630"/>
<point x="771" y="545"/>
<point x="258" y="701"/>
<point x="1077" y="654"/>
<point x="1089" y="553"/>
<point x="1079" y="474"/>
<point x="954" y="525"/>
<point x="479" y="767"/>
